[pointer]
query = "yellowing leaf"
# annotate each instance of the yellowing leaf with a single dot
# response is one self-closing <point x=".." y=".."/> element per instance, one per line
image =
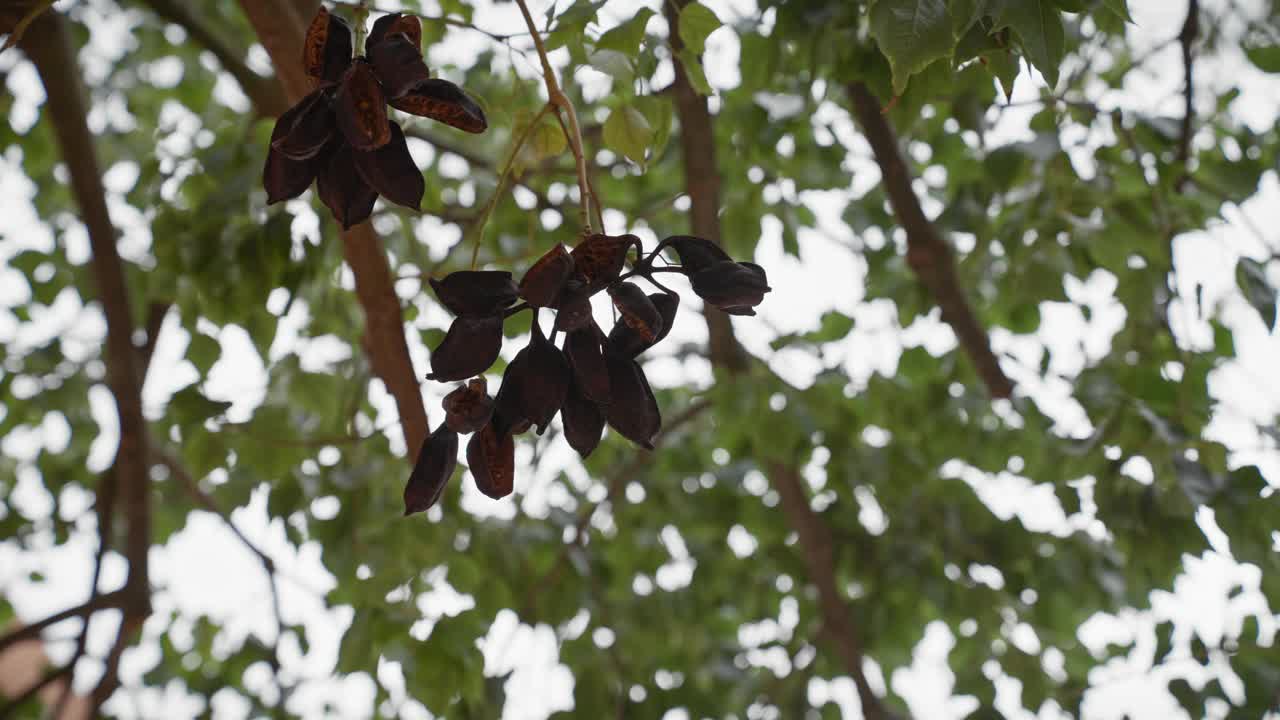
<point x="626" y="132"/>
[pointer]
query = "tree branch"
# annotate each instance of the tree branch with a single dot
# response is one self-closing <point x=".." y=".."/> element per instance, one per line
<point x="837" y="617"/>
<point x="928" y="253"/>
<point x="114" y="599"/>
<point x="702" y="183"/>
<point x="48" y="44"/>
<point x="265" y="93"/>
<point x="280" y="29"/>
<point x="1186" y="38"/>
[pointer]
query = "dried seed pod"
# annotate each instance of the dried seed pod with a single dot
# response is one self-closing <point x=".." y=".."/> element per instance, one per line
<point x="306" y="128"/>
<point x="284" y="178"/>
<point x="476" y="292"/>
<point x="626" y="340"/>
<point x="573" y="311"/>
<point x="667" y="304"/>
<point x="444" y="102"/>
<point x="733" y="287"/>
<point x="492" y="457"/>
<point x="390" y="171"/>
<point x="468" y="349"/>
<point x="398" y="64"/>
<point x="361" y="108"/>
<point x="637" y="310"/>
<point x="598" y="260"/>
<point x="468" y="408"/>
<point x="634" y="410"/>
<point x="508" y="411"/>
<point x="583" y="421"/>
<point x="392" y="23"/>
<point x="542" y="283"/>
<point x="695" y="253"/>
<point x="343" y="191"/>
<point x="586" y="360"/>
<point x="326" y="48"/>
<point x="543" y="381"/>
<point x="436" y="461"/>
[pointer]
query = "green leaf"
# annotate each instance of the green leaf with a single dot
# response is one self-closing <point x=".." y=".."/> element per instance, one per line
<point x="612" y="63"/>
<point x="203" y="352"/>
<point x="548" y="140"/>
<point x="693" y="68"/>
<point x="911" y="34"/>
<point x="1120" y="8"/>
<point x="1266" y="58"/>
<point x="696" y="23"/>
<point x="658" y="112"/>
<point x="627" y="132"/>
<point x="1251" y="277"/>
<point x="626" y="37"/>
<point x="1040" y="33"/>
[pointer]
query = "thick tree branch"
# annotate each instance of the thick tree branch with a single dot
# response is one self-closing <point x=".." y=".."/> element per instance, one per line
<point x="115" y="599"/>
<point x="48" y="44"/>
<point x="702" y="182"/>
<point x="264" y="92"/>
<point x="280" y="28"/>
<point x="928" y="253"/>
<point x="837" y="617"/>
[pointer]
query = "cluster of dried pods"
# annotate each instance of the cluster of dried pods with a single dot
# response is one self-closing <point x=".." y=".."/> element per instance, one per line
<point x="340" y="136"/>
<point x="591" y="380"/>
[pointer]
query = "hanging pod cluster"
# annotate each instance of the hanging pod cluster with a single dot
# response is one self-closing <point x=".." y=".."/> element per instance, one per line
<point x="340" y="136"/>
<point x="590" y="380"/>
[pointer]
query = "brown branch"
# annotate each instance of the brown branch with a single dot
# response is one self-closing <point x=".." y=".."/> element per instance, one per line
<point x="928" y="253"/>
<point x="280" y="29"/>
<point x="114" y="599"/>
<point x="264" y="92"/>
<point x="702" y="183"/>
<point x="817" y="546"/>
<point x="49" y="46"/>
<point x="10" y="708"/>
<point x="1186" y="38"/>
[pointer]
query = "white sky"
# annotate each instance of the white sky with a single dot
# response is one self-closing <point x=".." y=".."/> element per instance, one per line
<point x="206" y="572"/>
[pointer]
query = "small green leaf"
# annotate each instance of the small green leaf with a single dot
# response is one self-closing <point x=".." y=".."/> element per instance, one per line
<point x="627" y="132"/>
<point x="658" y="112"/>
<point x="911" y="34"/>
<point x="612" y="63"/>
<point x="696" y="23"/>
<point x="203" y="351"/>
<point x="1267" y="59"/>
<point x="548" y="140"/>
<point x="626" y="37"/>
<point x="693" y="68"/>
<point x="1039" y="29"/>
<point x="1120" y="8"/>
<point x="1251" y="277"/>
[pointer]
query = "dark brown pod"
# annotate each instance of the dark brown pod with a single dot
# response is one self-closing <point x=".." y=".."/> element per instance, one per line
<point x="304" y="129"/>
<point x="343" y="191"/>
<point x="392" y="23"/>
<point x="326" y="48"/>
<point x="398" y="64"/>
<point x="492" y="457"/>
<point x="391" y="172"/>
<point x="586" y="360"/>
<point x="431" y="472"/>
<point x="468" y="349"/>
<point x="634" y="410"/>
<point x="468" y="408"/>
<point x="542" y="283"/>
<point x="285" y="179"/>
<point x="573" y="311"/>
<point x="733" y="287"/>
<point x="583" y="421"/>
<point x="476" y="292"/>
<point x="625" y="340"/>
<point x="695" y="253"/>
<point x="361" y="108"/>
<point x="637" y="311"/>
<point x="598" y="260"/>
<point x="667" y="304"/>
<point x="444" y="102"/>
<point x="544" y="381"/>
<point x="508" y="410"/>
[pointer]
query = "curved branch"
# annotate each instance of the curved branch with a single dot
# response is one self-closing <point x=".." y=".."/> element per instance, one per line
<point x="928" y="253"/>
<point x="280" y="28"/>
<point x="264" y="92"/>
<point x="702" y="182"/>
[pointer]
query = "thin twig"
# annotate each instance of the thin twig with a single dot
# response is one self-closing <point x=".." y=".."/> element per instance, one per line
<point x="21" y="27"/>
<point x="1190" y="28"/>
<point x="573" y="135"/>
